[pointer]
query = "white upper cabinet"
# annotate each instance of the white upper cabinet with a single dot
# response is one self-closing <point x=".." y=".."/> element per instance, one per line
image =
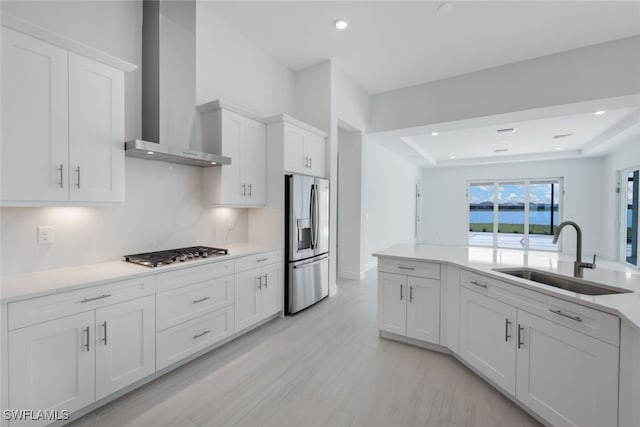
<point x="304" y="146"/>
<point x="62" y="125"/>
<point x="243" y="139"/>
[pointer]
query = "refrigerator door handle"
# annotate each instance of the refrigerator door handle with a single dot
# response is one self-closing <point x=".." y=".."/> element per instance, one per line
<point x="314" y="219"/>
<point x="297" y="265"/>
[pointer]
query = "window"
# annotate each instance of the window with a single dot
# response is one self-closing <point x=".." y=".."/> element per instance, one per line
<point x="631" y="234"/>
<point x="520" y="214"/>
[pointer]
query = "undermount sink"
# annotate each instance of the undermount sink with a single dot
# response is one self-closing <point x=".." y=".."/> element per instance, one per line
<point x="571" y="284"/>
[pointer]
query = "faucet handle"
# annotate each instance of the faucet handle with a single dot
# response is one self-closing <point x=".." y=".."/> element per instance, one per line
<point x="593" y="264"/>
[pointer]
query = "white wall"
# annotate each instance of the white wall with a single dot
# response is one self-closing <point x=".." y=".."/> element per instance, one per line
<point x="567" y="77"/>
<point x="163" y="210"/>
<point x="389" y="199"/>
<point x="349" y="204"/>
<point x="444" y="202"/>
<point x="625" y="156"/>
<point x="231" y="67"/>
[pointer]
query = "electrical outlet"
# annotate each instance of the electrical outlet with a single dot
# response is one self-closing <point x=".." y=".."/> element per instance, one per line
<point x="45" y="235"/>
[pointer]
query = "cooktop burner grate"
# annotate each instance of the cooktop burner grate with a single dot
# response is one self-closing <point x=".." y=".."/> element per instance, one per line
<point x="171" y="256"/>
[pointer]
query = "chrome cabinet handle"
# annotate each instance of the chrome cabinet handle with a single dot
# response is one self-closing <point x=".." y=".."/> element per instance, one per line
<point x="244" y="189"/>
<point x="78" y="172"/>
<point x="95" y="298"/>
<point x="259" y="282"/>
<point x="196" y="301"/>
<point x="262" y="259"/>
<point x="104" y="325"/>
<point x="482" y="285"/>
<point x="306" y="162"/>
<point x="401" y="267"/>
<point x="60" y="170"/>
<point x="506" y="330"/>
<point x="310" y="162"/>
<point x="401" y="286"/>
<point x="86" y="330"/>
<point x="560" y="313"/>
<point x="196" y="336"/>
<point x="266" y="281"/>
<point x="520" y="329"/>
<point x="410" y="293"/>
<point x="249" y="186"/>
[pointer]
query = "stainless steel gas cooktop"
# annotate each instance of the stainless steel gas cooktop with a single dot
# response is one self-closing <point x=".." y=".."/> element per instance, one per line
<point x="171" y="256"/>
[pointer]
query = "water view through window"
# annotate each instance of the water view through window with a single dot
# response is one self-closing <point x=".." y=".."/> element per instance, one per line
<point x="521" y="215"/>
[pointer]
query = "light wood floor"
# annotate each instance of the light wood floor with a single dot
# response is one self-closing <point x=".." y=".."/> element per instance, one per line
<point x="326" y="366"/>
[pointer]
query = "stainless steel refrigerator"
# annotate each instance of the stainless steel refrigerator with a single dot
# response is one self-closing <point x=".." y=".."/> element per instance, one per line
<point x="307" y="237"/>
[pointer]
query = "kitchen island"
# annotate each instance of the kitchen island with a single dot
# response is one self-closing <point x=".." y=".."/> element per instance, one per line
<point x="566" y="358"/>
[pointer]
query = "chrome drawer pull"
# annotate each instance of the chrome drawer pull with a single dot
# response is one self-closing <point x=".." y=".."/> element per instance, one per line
<point x="196" y="336"/>
<point x="95" y="298"/>
<point x="201" y="299"/>
<point x="104" y="325"/>
<point x="560" y="313"/>
<point x="482" y="285"/>
<point x="401" y="267"/>
<point x="520" y="329"/>
<point x="262" y="259"/>
<point x="506" y="330"/>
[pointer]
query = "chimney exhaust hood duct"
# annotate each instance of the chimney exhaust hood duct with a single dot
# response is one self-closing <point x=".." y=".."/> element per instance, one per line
<point x="169" y="115"/>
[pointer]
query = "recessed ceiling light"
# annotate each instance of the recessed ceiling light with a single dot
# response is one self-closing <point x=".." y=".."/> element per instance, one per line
<point x="213" y="163"/>
<point x="150" y="152"/>
<point x="558" y="148"/>
<point x="452" y="157"/>
<point x="435" y="133"/>
<point x="444" y="7"/>
<point x="599" y="113"/>
<point x="341" y="24"/>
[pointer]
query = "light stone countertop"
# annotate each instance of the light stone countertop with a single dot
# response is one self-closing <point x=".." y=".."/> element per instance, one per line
<point x="483" y="260"/>
<point x="30" y="285"/>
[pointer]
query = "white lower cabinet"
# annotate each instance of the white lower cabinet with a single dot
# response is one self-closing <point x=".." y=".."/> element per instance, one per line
<point x="258" y="294"/>
<point x="568" y="378"/>
<point x="486" y="338"/>
<point x="409" y="306"/>
<point x="52" y="365"/>
<point x="125" y="344"/>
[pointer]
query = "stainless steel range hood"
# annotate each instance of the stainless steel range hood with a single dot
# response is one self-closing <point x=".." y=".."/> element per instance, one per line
<point x="166" y="153"/>
<point x="169" y="114"/>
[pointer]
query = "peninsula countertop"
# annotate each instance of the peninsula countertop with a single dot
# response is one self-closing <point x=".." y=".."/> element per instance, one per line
<point x="18" y="287"/>
<point x="484" y="260"/>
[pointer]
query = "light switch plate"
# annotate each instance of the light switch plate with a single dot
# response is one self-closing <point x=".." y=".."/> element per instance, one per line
<point x="45" y="234"/>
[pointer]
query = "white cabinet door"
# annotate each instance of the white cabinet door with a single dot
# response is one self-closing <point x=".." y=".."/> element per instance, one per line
<point x="315" y="150"/>
<point x="423" y="309"/>
<point x="294" y="146"/>
<point x="488" y="337"/>
<point x="568" y="378"/>
<point x="125" y="344"/>
<point x="232" y="176"/>
<point x="34" y="119"/>
<point x="96" y="131"/>
<point x="52" y="365"/>
<point x="255" y="167"/>
<point x="271" y="291"/>
<point x="392" y="306"/>
<point x="247" y="298"/>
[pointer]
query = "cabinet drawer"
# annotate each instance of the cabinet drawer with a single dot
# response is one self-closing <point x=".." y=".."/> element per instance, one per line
<point x="430" y="270"/>
<point x="185" y="303"/>
<point x="190" y="275"/>
<point x="36" y="310"/>
<point x="253" y="261"/>
<point x="174" y="344"/>
<point x="589" y="321"/>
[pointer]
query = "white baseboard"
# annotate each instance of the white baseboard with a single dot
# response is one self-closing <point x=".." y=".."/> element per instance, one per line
<point x="368" y="266"/>
<point x="351" y="275"/>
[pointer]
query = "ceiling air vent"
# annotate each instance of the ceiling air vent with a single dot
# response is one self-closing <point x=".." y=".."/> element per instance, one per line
<point x="564" y="135"/>
<point x="500" y="150"/>
<point x="505" y="130"/>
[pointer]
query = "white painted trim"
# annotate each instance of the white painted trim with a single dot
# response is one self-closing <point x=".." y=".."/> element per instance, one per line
<point x="64" y="42"/>
<point x="293" y="121"/>
<point x="220" y="104"/>
<point x="372" y="264"/>
<point x="351" y="275"/>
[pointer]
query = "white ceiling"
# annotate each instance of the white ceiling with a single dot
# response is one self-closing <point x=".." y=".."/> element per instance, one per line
<point x="397" y="44"/>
